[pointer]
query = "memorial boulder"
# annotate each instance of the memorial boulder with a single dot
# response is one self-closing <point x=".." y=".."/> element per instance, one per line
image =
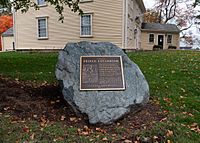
<point x="99" y="80"/>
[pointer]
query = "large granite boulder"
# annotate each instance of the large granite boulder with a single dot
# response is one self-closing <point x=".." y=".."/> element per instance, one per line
<point x="100" y="106"/>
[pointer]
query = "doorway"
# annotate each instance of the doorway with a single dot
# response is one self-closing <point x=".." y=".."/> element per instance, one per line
<point x="161" y="40"/>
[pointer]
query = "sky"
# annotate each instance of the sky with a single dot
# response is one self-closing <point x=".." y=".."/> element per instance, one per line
<point x="149" y="3"/>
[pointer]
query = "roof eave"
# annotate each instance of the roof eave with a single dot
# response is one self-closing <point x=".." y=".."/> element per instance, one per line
<point x="165" y="31"/>
<point x="11" y="35"/>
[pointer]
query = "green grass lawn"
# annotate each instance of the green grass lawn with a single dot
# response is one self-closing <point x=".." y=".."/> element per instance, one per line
<point x="37" y="67"/>
<point x="173" y="77"/>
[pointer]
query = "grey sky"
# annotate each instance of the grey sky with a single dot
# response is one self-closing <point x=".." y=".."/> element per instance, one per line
<point x="149" y="3"/>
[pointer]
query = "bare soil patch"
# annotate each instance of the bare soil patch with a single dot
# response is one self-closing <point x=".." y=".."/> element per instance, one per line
<point x="28" y="101"/>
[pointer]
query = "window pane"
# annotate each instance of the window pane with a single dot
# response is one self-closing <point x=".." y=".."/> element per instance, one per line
<point x="41" y="2"/>
<point x="169" y="38"/>
<point x="42" y="28"/>
<point x="86" y="25"/>
<point x="151" y="38"/>
<point x="42" y="23"/>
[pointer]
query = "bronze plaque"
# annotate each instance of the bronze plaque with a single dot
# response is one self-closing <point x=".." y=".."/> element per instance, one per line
<point x="101" y="73"/>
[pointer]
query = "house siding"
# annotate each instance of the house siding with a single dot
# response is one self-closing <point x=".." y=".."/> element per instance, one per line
<point x="107" y="25"/>
<point x="133" y="41"/>
<point x="7" y="43"/>
<point x="149" y="46"/>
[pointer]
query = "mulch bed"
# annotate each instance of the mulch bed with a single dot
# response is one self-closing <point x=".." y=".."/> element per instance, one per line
<point x="28" y="101"/>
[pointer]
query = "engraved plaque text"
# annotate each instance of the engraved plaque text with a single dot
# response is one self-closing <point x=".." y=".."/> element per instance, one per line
<point x="101" y="73"/>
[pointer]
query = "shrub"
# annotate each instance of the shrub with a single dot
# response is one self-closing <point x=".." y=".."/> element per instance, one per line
<point x="172" y="47"/>
<point x="157" y="47"/>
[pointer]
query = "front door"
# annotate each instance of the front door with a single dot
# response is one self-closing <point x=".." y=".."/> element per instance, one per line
<point x="161" y="40"/>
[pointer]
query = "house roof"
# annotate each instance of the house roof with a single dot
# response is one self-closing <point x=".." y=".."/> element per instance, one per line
<point x="155" y="27"/>
<point x="8" y="33"/>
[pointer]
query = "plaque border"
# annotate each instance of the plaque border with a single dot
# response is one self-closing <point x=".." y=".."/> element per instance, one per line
<point x="104" y="89"/>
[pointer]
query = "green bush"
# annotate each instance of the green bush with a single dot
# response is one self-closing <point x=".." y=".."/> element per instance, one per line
<point x="172" y="47"/>
<point x="157" y="47"/>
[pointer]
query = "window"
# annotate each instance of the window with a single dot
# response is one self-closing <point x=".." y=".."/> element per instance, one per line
<point x="86" y="25"/>
<point x="41" y="2"/>
<point x="169" y="39"/>
<point x="151" y="38"/>
<point x="82" y="1"/>
<point x="42" y="28"/>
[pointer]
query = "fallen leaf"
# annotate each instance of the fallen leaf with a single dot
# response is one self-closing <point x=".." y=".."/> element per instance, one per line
<point x="127" y="141"/>
<point x="167" y="99"/>
<point x="26" y="129"/>
<point x="100" y="130"/>
<point x="183" y="90"/>
<point x="193" y="129"/>
<point x="184" y="113"/>
<point x="114" y="135"/>
<point x="194" y="125"/>
<point x="42" y="124"/>
<point x="32" y="136"/>
<point x="52" y="102"/>
<point x="84" y="133"/>
<point x="43" y="119"/>
<point x="62" y="118"/>
<point x="6" y="108"/>
<point x="86" y="128"/>
<point x="73" y="119"/>
<point x="35" y="116"/>
<point x="60" y="139"/>
<point x="104" y="139"/>
<point x="165" y="111"/>
<point x="137" y="138"/>
<point x="169" y="133"/>
<point x="78" y="130"/>
<point x="155" y="137"/>
<point x="16" y="79"/>
<point x="191" y="115"/>
<point x="168" y="141"/>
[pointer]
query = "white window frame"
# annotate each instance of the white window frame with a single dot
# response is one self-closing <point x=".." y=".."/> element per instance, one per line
<point x="153" y="38"/>
<point x="47" y="34"/>
<point x="82" y="1"/>
<point x="171" y="38"/>
<point x="91" y="19"/>
<point x="41" y="5"/>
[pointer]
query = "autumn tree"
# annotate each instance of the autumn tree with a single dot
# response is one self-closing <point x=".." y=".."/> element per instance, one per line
<point x="181" y="12"/>
<point x="59" y="5"/>
<point x="151" y="16"/>
<point x="166" y="9"/>
<point x="197" y="2"/>
<point x="5" y="8"/>
<point x="5" y="23"/>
